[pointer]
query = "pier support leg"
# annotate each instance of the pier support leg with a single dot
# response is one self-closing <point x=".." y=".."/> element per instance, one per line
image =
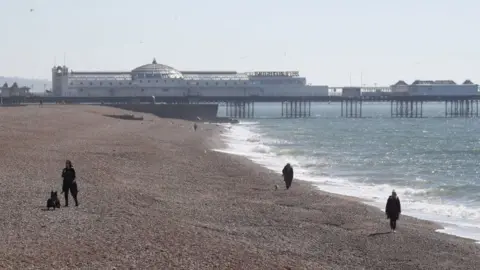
<point x="461" y="108"/>
<point x="406" y="108"/>
<point x="296" y="109"/>
<point x="353" y="108"/>
<point x="240" y="109"/>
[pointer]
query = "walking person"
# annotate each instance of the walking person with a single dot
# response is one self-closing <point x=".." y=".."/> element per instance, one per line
<point x="393" y="210"/>
<point x="287" y="174"/>
<point x="69" y="182"/>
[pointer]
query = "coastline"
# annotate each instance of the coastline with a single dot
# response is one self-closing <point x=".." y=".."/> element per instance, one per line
<point x="250" y="140"/>
<point x="154" y="196"/>
<point x="406" y="222"/>
<point x="222" y="145"/>
<point x="422" y="227"/>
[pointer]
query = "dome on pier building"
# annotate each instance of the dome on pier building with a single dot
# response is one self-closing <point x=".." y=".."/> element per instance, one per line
<point x="155" y="70"/>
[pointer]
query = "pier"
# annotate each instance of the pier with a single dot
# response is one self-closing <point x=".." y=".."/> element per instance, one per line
<point x="240" y="109"/>
<point x="461" y="108"/>
<point x="353" y="108"/>
<point x="296" y="108"/>
<point x="406" y="108"/>
<point x="243" y="107"/>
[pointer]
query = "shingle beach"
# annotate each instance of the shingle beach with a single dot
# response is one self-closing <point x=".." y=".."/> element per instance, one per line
<point x="154" y="196"/>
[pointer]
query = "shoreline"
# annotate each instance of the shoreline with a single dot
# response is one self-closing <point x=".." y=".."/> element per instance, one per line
<point x="219" y="147"/>
<point x="454" y="228"/>
<point x="405" y="224"/>
<point x="154" y="196"/>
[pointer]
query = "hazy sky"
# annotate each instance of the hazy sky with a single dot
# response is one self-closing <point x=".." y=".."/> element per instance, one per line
<point x="324" y="40"/>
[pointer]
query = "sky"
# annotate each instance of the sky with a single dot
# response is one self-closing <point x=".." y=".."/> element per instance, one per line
<point x="335" y="43"/>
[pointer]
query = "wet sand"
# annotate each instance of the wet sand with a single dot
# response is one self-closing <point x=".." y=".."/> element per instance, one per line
<point x="152" y="196"/>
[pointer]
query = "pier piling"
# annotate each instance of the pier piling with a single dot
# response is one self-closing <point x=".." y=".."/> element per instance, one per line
<point x="296" y="109"/>
<point x="406" y="109"/>
<point x="461" y="108"/>
<point x="351" y="108"/>
<point x="240" y="109"/>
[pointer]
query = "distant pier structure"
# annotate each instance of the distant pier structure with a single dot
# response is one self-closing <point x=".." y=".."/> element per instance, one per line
<point x="240" y="109"/>
<point x="351" y="107"/>
<point x="406" y="100"/>
<point x="461" y="108"/>
<point x="296" y="108"/>
<point x="459" y="98"/>
<point x="406" y="108"/>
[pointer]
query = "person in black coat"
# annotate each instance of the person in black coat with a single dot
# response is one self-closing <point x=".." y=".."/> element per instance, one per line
<point x="393" y="210"/>
<point x="287" y="173"/>
<point x="69" y="183"/>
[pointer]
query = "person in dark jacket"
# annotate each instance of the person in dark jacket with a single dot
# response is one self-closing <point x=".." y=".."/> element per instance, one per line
<point x="393" y="210"/>
<point x="69" y="183"/>
<point x="287" y="173"/>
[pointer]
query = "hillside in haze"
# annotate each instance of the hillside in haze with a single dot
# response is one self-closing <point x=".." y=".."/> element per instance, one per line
<point x="36" y="85"/>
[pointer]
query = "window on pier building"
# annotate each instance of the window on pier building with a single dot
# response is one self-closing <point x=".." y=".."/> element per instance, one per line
<point x="156" y="81"/>
<point x="101" y="83"/>
<point x="130" y="83"/>
<point x="81" y="83"/>
<point x="165" y="81"/>
<point x="71" y="83"/>
<point x="148" y="81"/>
<point x="120" y="83"/>
<point x="244" y="82"/>
<point x="206" y="83"/>
<point x="196" y="83"/>
<point x="225" y="83"/>
<point x="235" y="83"/>
<point x="111" y="83"/>
<point x="91" y="83"/>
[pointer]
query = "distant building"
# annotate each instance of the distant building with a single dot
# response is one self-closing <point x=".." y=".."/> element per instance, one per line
<point x="400" y="87"/>
<point x="14" y="90"/>
<point x="435" y="88"/>
<point x="351" y="92"/>
<point x="155" y="79"/>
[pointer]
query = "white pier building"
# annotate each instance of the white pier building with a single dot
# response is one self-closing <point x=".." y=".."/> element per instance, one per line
<point x="435" y="88"/>
<point x="161" y="80"/>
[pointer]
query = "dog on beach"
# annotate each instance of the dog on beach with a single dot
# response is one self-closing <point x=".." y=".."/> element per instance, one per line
<point x="53" y="201"/>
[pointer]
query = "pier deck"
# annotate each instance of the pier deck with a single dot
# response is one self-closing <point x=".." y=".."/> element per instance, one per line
<point x="292" y="106"/>
<point x="221" y="99"/>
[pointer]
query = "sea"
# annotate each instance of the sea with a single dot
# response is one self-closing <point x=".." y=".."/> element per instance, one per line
<point x="432" y="163"/>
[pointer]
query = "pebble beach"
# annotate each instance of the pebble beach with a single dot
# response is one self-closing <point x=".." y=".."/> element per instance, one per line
<point x="154" y="196"/>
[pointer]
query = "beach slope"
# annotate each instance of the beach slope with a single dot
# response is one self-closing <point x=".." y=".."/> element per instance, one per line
<point x="152" y="196"/>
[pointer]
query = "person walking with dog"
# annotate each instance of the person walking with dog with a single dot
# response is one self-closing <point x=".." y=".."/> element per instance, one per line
<point x="69" y="182"/>
<point x="393" y="210"/>
<point x="287" y="173"/>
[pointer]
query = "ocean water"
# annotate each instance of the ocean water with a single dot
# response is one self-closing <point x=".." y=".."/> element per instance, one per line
<point x="432" y="162"/>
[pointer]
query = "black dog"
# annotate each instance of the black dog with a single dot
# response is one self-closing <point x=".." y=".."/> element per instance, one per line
<point x="53" y="201"/>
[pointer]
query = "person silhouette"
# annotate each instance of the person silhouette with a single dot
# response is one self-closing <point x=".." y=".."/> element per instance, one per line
<point x="69" y="182"/>
<point x="287" y="174"/>
<point x="393" y="210"/>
